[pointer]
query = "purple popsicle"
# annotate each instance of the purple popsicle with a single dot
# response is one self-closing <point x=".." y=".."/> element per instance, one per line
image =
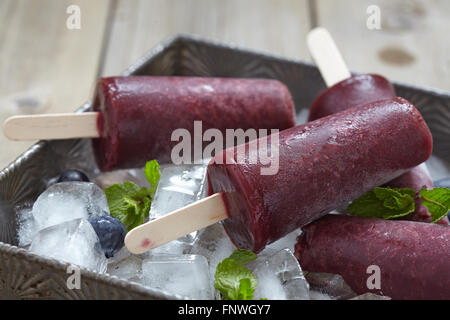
<point x="323" y="164"/>
<point x="138" y="114"/>
<point x="360" y="90"/>
<point x="413" y="258"/>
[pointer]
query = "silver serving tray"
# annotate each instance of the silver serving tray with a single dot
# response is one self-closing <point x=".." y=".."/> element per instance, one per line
<point x="27" y="276"/>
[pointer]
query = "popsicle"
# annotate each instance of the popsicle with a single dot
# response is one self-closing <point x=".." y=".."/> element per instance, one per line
<point x="134" y="117"/>
<point x="345" y="91"/>
<point x="413" y="258"/>
<point x="321" y="165"/>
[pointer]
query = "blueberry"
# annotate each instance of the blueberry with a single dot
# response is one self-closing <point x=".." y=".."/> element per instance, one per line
<point x="111" y="233"/>
<point x="443" y="183"/>
<point x="72" y="175"/>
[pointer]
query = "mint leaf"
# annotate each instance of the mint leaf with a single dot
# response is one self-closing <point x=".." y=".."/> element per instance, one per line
<point x="233" y="279"/>
<point x="245" y="289"/>
<point x="152" y="173"/>
<point x="129" y="203"/>
<point x="395" y="199"/>
<point x="243" y="257"/>
<point x="437" y="201"/>
<point x="384" y="203"/>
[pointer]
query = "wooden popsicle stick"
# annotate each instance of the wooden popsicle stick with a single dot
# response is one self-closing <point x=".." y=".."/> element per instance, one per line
<point x="327" y="56"/>
<point x="52" y="126"/>
<point x="176" y="224"/>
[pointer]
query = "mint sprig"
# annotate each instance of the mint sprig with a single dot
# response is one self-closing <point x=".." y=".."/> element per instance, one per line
<point x="233" y="279"/>
<point x="437" y="201"/>
<point x="129" y="202"/>
<point x="152" y="173"/>
<point x="390" y="203"/>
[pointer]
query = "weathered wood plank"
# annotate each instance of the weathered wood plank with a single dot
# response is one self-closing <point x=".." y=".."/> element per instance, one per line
<point x="44" y="66"/>
<point x="412" y="45"/>
<point x="275" y="26"/>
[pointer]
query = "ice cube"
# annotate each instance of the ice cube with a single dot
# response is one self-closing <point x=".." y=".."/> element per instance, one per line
<point x="178" y="186"/>
<point x="214" y="244"/>
<point x="330" y="284"/>
<point x="128" y="268"/>
<point x="180" y="246"/>
<point x="66" y="201"/>
<point x="286" y="242"/>
<point x="106" y="179"/>
<point x="279" y="277"/>
<point x="317" y="295"/>
<point x="438" y="168"/>
<point x="72" y="241"/>
<point x="269" y="286"/>
<point x="119" y="256"/>
<point x="26" y="225"/>
<point x="185" y="275"/>
<point x="370" y="296"/>
<point x="302" y="116"/>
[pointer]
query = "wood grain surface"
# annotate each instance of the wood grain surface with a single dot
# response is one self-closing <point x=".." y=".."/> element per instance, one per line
<point x="274" y="26"/>
<point x="412" y="45"/>
<point x="44" y="66"/>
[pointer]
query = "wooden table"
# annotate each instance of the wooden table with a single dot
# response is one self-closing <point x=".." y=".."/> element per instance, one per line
<point x="46" y="67"/>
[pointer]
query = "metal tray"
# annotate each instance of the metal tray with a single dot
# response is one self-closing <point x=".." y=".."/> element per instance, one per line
<point x="27" y="276"/>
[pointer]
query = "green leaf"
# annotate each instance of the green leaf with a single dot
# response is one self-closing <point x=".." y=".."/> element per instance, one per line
<point x="152" y="173"/>
<point x="243" y="257"/>
<point x="129" y="203"/>
<point x="233" y="279"/>
<point x="437" y="201"/>
<point x="394" y="198"/>
<point x="245" y="289"/>
<point x="384" y="203"/>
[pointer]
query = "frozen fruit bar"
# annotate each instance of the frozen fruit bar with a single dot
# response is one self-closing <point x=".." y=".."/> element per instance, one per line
<point x="352" y="92"/>
<point x="360" y="90"/>
<point x="323" y="165"/>
<point x="413" y="257"/>
<point x="138" y="114"/>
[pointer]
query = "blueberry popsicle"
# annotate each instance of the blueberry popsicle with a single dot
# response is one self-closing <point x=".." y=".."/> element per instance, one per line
<point x="356" y="91"/>
<point x="413" y="257"/>
<point x="321" y="165"/>
<point x="139" y="114"/>
<point x="134" y="117"/>
<point x="344" y="90"/>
